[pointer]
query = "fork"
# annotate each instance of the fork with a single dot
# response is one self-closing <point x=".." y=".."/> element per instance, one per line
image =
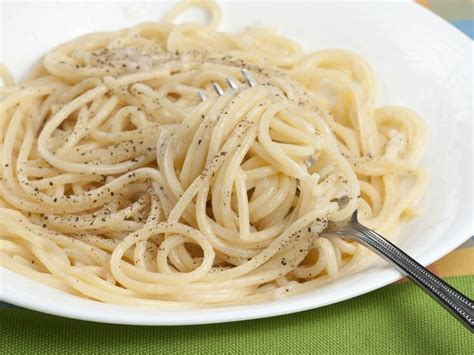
<point x="459" y="305"/>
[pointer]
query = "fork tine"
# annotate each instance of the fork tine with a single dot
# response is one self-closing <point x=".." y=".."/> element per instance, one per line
<point x="232" y="83"/>
<point x="249" y="78"/>
<point x="218" y="89"/>
<point x="310" y="162"/>
<point x="202" y="95"/>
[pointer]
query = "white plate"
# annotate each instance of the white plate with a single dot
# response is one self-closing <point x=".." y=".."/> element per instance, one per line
<point x="420" y="61"/>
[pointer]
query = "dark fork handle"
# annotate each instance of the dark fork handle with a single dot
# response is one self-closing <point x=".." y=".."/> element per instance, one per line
<point x="454" y="301"/>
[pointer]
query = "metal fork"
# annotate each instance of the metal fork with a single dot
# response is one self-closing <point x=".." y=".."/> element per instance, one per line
<point x="232" y="84"/>
<point x="459" y="305"/>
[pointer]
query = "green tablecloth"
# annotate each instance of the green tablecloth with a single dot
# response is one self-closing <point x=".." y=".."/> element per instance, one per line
<point x="399" y="318"/>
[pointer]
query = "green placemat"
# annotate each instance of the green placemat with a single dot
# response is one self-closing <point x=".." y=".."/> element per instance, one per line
<point x="399" y="318"/>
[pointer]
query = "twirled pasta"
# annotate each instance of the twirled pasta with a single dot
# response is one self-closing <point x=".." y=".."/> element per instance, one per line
<point x="120" y="185"/>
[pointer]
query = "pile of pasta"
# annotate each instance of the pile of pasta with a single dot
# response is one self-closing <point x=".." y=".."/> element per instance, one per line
<point x="120" y="184"/>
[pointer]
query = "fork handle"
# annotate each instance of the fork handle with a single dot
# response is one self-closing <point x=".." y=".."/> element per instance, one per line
<point x="454" y="301"/>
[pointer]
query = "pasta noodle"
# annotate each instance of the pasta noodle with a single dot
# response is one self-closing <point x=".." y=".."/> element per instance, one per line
<point x="119" y="184"/>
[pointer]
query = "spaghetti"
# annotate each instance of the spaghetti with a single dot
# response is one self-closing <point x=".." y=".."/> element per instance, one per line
<point x="120" y="185"/>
